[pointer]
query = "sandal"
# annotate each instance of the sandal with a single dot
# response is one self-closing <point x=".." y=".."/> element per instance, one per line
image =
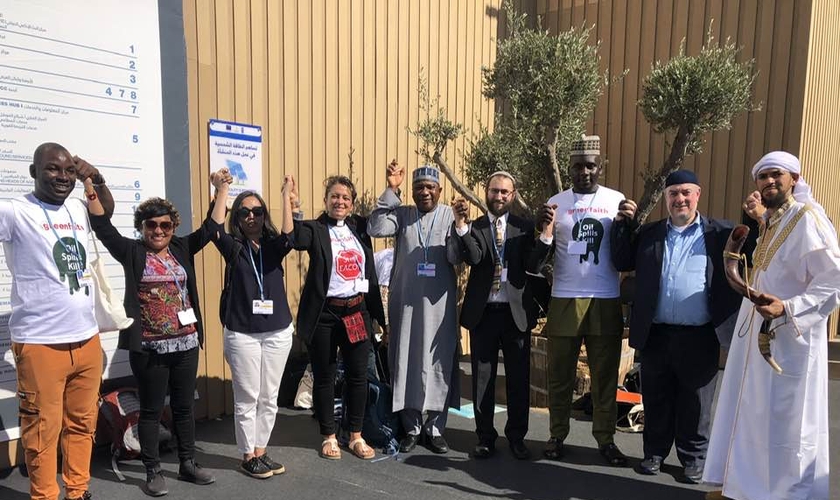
<point x="330" y="449"/>
<point x="361" y="449"/>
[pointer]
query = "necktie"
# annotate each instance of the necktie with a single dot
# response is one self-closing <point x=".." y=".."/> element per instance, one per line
<point x="497" y="270"/>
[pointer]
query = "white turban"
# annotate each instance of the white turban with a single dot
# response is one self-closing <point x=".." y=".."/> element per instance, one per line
<point x="786" y="161"/>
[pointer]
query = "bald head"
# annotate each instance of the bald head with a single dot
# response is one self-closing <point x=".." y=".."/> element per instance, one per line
<point x="54" y="172"/>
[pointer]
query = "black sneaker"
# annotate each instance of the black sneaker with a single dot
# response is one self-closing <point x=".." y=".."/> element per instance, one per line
<point x="194" y="473"/>
<point x="85" y="496"/>
<point x="274" y="467"/>
<point x="255" y="467"/>
<point x="155" y="485"/>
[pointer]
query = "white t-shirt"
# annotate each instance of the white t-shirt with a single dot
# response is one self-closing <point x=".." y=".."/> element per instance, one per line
<point x="587" y="271"/>
<point x="348" y="269"/>
<point x="48" y="304"/>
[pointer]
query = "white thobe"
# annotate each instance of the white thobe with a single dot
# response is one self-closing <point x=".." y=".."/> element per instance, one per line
<point x="770" y="432"/>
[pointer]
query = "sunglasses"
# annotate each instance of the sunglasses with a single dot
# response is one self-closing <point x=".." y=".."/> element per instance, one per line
<point x="243" y="212"/>
<point x="151" y="225"/>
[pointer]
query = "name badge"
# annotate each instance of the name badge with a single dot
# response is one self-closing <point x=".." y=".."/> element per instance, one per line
<point x="361" y="286"/>
<point x="577" y="247"/>
<point x="504" y="275"/>
<point x="187" y="317"/>
<point x="84" y="277"/>
<point x="425" y="270"/>
<point x="263" y="307"/>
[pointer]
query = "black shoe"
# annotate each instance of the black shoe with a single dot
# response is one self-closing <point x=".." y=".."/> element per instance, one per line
<point x="274" y="467"/>
<point x="409" y="443"/>
<point x="155" y="485"/>
<point x="693" y="473"/>
<point x="437" y="444"/>
<point x="650" y="466"/>
<point x="484" y="450"/>
<point x="85" y="496"/>
<point x="519" y="450"/>
<point x="194" y="473"/>
<point x="613" y="455"/>
<point x="255" y="467"/>
<point x="554" y="449"/>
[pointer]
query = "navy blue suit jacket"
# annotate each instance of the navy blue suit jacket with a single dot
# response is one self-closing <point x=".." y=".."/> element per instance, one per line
<point x="642" y="251"/>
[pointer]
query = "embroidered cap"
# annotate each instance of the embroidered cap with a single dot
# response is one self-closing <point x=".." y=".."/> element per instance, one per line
<point x="587" y="145"/>
<point x="426" y="173"/>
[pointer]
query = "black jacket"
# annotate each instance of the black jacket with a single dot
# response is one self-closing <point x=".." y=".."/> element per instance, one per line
<point x="477" y="251"/>
<point x="314" y="237"/>
<point x="642" y="251"/>
<point x="131" y="253"/>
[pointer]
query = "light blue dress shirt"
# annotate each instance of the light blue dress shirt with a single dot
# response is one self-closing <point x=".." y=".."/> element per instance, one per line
<point x="683" y="289"/>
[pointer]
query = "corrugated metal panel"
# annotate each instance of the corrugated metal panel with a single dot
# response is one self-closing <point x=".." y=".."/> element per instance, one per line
<point x="820" y="128"/>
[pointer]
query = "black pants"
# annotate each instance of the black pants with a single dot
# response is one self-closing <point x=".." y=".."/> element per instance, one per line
<point x="495" y="331"/>
<point x="329" y="336"/>
<point x="679" y="371"/>
<point x="155" y="373"/>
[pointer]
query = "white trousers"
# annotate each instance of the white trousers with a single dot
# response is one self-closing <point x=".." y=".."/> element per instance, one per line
<point x="257" y="362"/>
<point x="412" y="421"/>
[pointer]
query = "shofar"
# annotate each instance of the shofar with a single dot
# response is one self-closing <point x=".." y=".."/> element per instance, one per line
<point x="731" y="259"/>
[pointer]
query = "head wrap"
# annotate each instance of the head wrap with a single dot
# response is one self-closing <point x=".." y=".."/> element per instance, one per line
<point x="426" y="173"/>
<point x="681" y="177"/>
<point x="586" y="145"/>
<point x="786" y="161"/>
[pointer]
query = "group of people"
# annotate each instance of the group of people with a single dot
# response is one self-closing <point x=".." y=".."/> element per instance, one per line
<point x="769" y="437"/>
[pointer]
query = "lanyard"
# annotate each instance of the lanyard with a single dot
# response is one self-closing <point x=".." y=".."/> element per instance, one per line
<point x="575" y="212"/>
<point x="258" y="275"/>
<point x="356" y="246"/>
<point x="500" y="252"/>
<point x="182" y="289"/>
<point x="71" y="250"/>
<point x="425" y="244"/>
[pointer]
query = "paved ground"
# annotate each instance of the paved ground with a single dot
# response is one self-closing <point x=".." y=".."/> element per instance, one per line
<point x="419" y="475"/>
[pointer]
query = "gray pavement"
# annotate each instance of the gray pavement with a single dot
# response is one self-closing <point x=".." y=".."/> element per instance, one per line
<point x="418" y="475"/>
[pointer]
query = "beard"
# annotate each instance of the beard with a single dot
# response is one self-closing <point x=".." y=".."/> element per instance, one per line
<point x="498" y="208"/>
<point x="774" y="201"/>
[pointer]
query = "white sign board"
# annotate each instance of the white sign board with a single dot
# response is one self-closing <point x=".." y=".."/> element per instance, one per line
<point x="237" y="147"/>
<point x="85" y="74"/>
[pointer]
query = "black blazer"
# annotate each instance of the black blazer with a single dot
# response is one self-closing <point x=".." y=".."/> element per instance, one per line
<point x="477" y="250"/>
<point x="314" y="237"/>
<point x="131" y="253"/>
<point x="643" y="252"/>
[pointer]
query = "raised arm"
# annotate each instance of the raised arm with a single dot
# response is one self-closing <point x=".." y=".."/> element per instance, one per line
<point x="383" y="221"/>
<point x="87" y="171"/>
<point x="544" y="244"/>
<point x="100" y="222"/>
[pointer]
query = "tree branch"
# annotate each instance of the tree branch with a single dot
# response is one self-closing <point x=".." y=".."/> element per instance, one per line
<point x="550" y="145"/>
<point x="459" y="186"/>
<point x="655" y="184"/>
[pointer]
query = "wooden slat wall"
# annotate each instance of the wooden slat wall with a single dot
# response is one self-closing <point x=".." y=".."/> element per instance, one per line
<point x="635" y="33"/>
<point x="320" y="77"/>
<point x="820" y="128"/>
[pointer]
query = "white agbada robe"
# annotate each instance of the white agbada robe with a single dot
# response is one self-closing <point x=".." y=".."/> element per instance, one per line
<point x="770" y="432"/>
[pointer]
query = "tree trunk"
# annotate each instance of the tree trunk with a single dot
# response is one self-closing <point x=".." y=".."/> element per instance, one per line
<point x="459" y="186"/>
<point x="655" y="184"/>
<point x="551" y="148"/>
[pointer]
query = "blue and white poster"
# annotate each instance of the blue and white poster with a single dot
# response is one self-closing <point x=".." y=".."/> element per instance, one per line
<point x="238" y="147"/>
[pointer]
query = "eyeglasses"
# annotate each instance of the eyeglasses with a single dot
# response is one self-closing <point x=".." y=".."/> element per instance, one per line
<point x="151" y="225"/>
<point x="243" y="212"/>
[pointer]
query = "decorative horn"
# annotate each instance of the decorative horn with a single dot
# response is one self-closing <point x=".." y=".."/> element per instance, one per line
<point x="731" y="260"/>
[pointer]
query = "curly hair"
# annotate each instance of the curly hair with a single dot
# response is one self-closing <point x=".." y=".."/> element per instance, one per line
<point x="155" y="207"/>
<point x="344" y="181"/>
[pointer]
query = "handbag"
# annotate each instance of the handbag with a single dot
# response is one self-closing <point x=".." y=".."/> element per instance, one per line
<point x="110" y="312"/>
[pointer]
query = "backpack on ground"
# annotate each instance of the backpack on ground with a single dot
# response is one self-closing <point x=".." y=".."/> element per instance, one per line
<point x="119" y="415"/>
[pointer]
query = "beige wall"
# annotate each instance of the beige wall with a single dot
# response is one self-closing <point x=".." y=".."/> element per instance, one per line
<point x="320" y="77"/>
